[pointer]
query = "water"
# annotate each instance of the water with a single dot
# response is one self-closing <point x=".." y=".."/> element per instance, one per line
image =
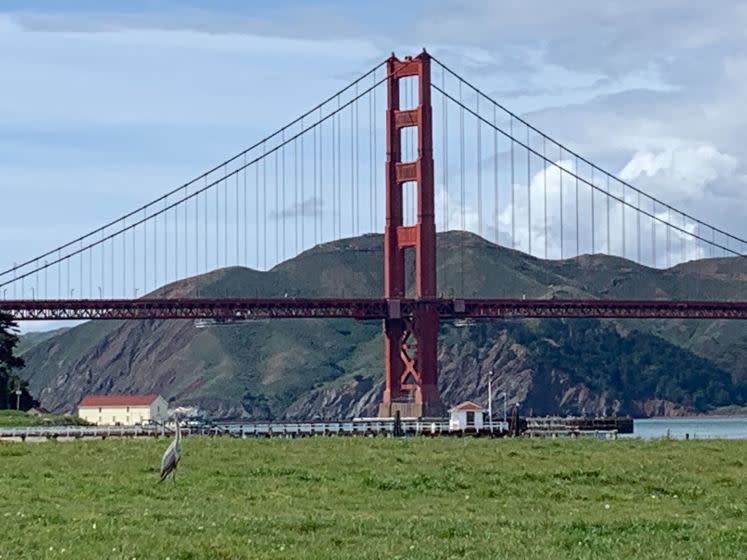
<point x="698" y="428"/>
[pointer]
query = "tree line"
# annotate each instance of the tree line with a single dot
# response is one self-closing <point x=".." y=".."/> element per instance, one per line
<point x="14" y="391"/>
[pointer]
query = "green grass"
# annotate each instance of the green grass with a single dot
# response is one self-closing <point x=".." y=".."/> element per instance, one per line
<point x="16" y="419"/>
<point x="331" y="498"/>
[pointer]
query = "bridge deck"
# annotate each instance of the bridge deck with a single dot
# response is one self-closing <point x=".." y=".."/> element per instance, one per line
<point x="226" y="310"/>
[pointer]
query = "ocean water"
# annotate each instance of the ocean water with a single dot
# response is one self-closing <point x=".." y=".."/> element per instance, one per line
<point x="698" y="428"/>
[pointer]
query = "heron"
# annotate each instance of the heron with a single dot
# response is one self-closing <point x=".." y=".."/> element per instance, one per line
<point x="171" y="456"/>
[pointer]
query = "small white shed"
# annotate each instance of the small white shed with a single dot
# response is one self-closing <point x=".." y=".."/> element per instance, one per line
<point x="467" y="416"/>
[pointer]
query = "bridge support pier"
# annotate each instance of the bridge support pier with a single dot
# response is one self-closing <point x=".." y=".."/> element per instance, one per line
<point x="411" y="344"/>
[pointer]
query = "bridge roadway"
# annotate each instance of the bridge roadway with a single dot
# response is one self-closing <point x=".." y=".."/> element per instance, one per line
<point x="227" y="310"/>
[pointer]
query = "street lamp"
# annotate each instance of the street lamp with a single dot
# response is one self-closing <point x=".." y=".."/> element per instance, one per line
<point x="505" y="406"/>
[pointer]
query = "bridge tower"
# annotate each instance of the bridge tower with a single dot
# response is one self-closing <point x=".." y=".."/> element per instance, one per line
<point x="410" y="345"/>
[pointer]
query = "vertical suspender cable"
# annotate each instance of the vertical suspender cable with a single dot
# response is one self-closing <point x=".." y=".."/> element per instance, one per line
<point x="256" y="212"/>
<point x="624" y="232"/>
<point x="544" y="181"/>
<point x="186" y="236"/>
<point x="371" y="184"/>
<point x="353" y="187"/>
<point x="461" y="159"/>
<point x="197" y="234"/>
<point x="315" y="199"/>
<point x="338" y="170"/>
<point x="176" y="242"/>
<point x="321" y="178"/>
<point x="683" y="239"/>
<point x="295" y="191"/>
<point x="303" y="193"/>
<point x="638" y="228"/>
<point x="335" y="209"/>
<point x="513" y="181"/>
<point x="103" y="257"/>
<point x="225" y="215"/>
<point x="593" y="215"/>
<point x="560" y="170"/>
<point x="264" y="206"/>
<point x="124" y="261"/>
<point x="375" y="166"/>
<point x="217" y="226"/>
<point x="669" y="237"/>
<point x="238" y="221"/>
<point x="277" y="208"/>
<point x="496" y="197"/>
<point x="357" y="172"/>
<point x="283" y="203"/>
<point x="653" y="232"/>
<point x="445" y="107"/>
<point x="578" y="224"/>
<point x="246" y="218"/>
<point x="479" y="168"/>
<point x="529" y="193"/>
<point x="609" y="239"/>
<point x="145" y="254"/>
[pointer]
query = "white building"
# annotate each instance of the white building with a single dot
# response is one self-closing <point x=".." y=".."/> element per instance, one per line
<point x="467" y="416"/>
<point x="122" y="410"/>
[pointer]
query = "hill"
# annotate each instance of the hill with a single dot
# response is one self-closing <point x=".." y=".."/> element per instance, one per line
<point x="327" y="368"/>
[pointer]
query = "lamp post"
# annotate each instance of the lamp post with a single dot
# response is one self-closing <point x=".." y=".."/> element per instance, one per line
<point x="505" y="406"/>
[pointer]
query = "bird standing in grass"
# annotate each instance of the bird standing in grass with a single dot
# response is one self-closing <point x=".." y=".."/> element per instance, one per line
<point x="170" y="459"/>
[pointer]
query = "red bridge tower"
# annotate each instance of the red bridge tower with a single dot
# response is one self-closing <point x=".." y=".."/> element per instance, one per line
<point x="411" y="345"/>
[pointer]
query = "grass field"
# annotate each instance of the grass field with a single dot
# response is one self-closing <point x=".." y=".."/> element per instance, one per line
<point x="376" y="498"/>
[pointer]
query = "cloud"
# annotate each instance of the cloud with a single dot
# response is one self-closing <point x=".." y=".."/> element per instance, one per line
<point x="684" y="172"/>
<point x="308" y="22"/>
<point x="309" y="208"/>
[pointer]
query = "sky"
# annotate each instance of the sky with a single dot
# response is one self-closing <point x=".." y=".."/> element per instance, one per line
<point x="106" y="105"/>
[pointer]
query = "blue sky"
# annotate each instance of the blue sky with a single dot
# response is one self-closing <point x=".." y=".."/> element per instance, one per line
<point x="105" y="105"/>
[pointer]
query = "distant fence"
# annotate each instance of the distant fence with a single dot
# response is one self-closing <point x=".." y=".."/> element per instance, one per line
<point x="256" y="429"/>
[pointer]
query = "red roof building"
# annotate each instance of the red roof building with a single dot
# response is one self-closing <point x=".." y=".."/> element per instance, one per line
<point x="96" y="401"/>
<point x="123" y="410"/>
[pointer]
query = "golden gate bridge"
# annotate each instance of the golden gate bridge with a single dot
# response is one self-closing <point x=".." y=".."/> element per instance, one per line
<point x="447" y="157"/>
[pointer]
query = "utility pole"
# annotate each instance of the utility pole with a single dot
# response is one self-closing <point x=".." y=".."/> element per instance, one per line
<point x="18" y="399"/>
<point x="490" y="400"/>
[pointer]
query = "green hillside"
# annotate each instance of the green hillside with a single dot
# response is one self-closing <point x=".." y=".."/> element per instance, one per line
<point x="327" y="368"/>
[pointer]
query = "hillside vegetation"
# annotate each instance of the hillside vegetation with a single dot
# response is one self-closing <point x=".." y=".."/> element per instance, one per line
<point x="331" y="368"/>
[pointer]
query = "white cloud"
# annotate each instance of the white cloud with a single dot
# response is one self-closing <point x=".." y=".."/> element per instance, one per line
<point x="680" y="173"/>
